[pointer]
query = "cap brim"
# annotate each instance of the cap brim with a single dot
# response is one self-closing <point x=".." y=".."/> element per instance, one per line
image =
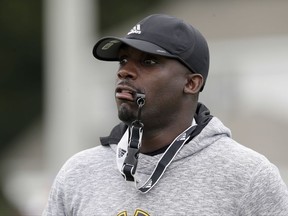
<point x="108" y="48"/>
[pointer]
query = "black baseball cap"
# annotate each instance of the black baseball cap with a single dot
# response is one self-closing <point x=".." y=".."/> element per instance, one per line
<point x="162" y="35"/>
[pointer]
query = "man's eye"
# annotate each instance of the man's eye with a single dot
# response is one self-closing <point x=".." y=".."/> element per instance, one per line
<point x="149" y="62"/>
<point x="123" y="61"/>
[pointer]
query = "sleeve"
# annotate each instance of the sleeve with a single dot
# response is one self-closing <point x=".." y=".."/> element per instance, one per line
<point x="267" y="194"/>
<point x="56" y="201"/>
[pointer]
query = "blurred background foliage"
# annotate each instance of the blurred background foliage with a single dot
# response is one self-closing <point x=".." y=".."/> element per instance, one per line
<point x="113" y="12"/>
<point x="21" y="84"/>
<point x="21" y="66"/>
<point x="21" y="81"/>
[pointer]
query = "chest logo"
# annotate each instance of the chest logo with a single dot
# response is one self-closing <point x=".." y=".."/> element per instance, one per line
<point x="138" y="212"/>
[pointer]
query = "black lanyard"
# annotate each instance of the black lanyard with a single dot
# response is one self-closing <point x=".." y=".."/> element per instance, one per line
<point x="130" y="162"/>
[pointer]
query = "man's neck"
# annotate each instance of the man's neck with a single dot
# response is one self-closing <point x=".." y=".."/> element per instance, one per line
<point x="153" y="140"/>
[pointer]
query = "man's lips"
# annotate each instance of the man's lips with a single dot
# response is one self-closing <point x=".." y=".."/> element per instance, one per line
<point x="125" y="93"/>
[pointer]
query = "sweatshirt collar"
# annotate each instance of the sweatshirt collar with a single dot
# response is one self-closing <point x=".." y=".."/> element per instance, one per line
<point x="202" y="117"/>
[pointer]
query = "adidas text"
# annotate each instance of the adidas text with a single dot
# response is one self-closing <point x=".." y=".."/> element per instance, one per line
<point x="135" y="30"/>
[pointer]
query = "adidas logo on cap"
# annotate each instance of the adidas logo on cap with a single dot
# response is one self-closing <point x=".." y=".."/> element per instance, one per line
<point x="135" y="30"/>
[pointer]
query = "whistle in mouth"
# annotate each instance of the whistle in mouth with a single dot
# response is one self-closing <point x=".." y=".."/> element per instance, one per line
<point x="140" y="99"/>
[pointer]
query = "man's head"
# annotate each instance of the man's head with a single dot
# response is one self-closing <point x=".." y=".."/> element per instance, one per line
<point x="162" y="35"/>
<point x="163" y="57"/>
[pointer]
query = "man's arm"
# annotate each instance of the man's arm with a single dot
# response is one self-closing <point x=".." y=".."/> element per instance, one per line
<point x="56" y="205"/>
<point x="267" y="194"/>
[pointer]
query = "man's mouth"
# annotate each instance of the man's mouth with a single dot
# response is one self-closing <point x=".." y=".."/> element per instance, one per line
<point x="125" y="93"/>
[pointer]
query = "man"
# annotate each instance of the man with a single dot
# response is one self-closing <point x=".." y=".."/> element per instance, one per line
<point x="168" y="156"/>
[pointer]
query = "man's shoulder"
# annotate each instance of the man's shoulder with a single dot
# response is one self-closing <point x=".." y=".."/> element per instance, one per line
<point x="240" y="158"/>
<point x="88" y="158"/>
<point x="92" y="152"/>
<point x="239" y="153"/>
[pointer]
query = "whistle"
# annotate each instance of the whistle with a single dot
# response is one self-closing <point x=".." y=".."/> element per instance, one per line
<point x="140" y="99"/>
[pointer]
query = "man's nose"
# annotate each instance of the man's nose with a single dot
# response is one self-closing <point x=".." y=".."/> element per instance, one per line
<point x="129" y="71"/>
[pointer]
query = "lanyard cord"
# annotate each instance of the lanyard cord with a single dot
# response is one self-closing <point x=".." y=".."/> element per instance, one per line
<point x="134" y="143"/>
<point x="128" y="166"/>
<point x="130" y="163"/>
<point x="166" y="159"/>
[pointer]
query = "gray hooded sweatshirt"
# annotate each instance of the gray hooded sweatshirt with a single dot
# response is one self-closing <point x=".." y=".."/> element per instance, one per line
<point x="212" y="175"/>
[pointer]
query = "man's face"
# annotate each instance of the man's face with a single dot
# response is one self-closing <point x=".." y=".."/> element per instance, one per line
<point x="160" y="78"/>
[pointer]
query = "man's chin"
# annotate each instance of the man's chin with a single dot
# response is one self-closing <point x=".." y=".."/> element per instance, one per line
<point x="126" y="115"/>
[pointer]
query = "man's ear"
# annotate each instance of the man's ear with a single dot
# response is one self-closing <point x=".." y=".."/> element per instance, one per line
<point x="194" y="83"/>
